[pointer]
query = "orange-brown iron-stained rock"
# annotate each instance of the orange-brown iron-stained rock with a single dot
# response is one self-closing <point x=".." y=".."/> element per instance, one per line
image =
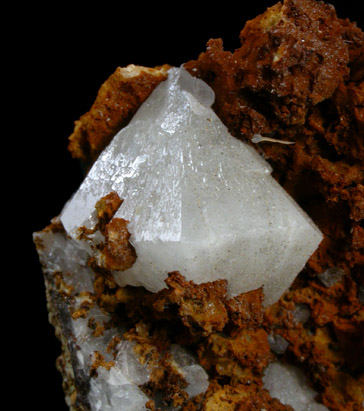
<point x="117" y="101"/>
<point x="118" y="253"/>
<point x="241" y="357"/>
<point x="241" y="397"/>
<point x="291" y="58"/>
<point x="106" y="207"/>
<point x="246" y="310"/>
<point x="296" y="52"/>
<point x="151" y="349"/>
<point x="201" y="307"/>
<point x="99" y="361"/>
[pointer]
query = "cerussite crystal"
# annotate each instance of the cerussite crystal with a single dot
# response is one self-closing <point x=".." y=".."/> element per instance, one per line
<point x="197" y="200"/>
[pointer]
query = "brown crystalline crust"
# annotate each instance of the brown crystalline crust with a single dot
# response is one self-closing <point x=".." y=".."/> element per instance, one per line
<point x="298" y="76"/>
<point x="227" y="335"/>
<point x="115" y="252"/>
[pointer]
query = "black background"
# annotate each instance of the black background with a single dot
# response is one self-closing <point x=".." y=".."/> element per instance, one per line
<point x="60" y="55"/>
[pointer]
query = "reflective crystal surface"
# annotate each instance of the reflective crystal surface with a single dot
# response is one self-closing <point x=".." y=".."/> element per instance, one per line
<point x="287" y="383"/>
<point x="198" y="200"/>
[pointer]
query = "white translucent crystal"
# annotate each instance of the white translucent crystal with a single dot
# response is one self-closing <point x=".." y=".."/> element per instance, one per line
<point x="301" y="313"/>
<point x="194" y="374"/>
<point x="198" y="200"/>
<point x="111" y="391"/>
<point x="128" y="362"/>
<point x="331" y="276"/>
<point x="277" y="343"/>
<point x="288" y="384"/>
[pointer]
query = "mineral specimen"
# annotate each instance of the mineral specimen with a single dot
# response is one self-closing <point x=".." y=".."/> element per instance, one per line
<point x="294" y="92"/>
<point x="196" y="199"/>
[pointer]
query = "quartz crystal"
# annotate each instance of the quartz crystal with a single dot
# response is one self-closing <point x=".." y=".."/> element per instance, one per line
<point x="301" y="313"/>
<point x="277" y="343"/>
<point x="287" y="383"/>
<point x="198" y="200"/>
<point x="331" y="276"/>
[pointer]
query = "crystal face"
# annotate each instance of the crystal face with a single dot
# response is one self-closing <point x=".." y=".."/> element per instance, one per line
<point x="287" y="383"/>
<point x="198" y="200"/>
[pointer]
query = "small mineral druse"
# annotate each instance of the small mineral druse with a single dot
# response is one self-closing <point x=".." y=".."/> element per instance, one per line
<point x="196" y="199"/>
